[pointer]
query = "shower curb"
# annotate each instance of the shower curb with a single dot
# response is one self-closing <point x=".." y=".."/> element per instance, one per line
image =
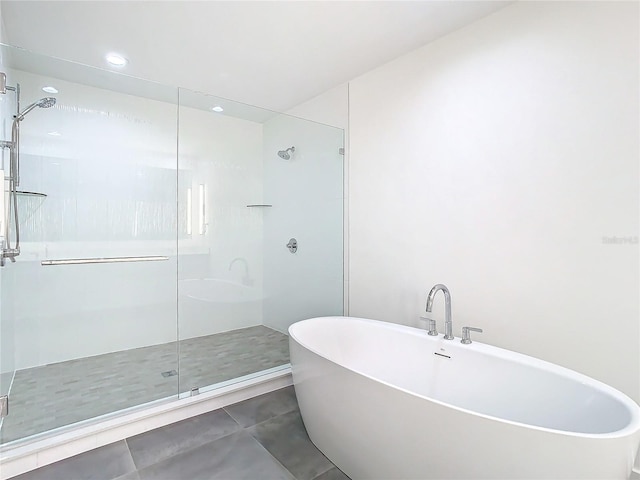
<point x="21" y="459"/>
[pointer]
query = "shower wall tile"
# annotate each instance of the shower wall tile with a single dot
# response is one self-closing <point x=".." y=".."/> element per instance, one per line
<point x="110" y="181"/>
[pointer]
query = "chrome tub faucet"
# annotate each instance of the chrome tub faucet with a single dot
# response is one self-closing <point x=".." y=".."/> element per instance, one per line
<point x="448" y="325"/>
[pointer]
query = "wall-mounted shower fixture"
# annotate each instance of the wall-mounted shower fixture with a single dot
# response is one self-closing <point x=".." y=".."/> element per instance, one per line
<point x="45" y="102"/>
<point x="293" y="245"/>
<point x="14" y="169"/>
<point x="286" y="154"/>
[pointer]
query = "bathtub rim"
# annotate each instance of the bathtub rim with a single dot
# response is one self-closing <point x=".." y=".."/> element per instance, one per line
<point x="632" y="428"/>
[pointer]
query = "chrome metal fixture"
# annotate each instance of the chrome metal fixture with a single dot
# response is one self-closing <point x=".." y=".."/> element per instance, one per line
<point x="432" y="328"/>
<point x="45" y="102"/>
<point x="293" y="245"/>
<point x="14" y="168"/>
<point x="466" y="335"/>
<point x="448" y="325"/>
<point x="286" y="154"/>
<point x="82" y="261"/>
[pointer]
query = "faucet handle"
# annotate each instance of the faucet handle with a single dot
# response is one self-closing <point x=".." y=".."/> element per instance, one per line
<point x="466" y="335"/>
<point x="432" y="328"/>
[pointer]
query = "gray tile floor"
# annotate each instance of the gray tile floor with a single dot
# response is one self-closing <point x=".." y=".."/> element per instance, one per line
<point x="51" y="396"/>
<point x="262" y="438"/>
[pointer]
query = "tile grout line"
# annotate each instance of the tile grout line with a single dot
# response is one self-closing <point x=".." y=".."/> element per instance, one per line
<point x="190" y="449"/>
<point x="133" y="462"/>
<point x="278" y="461"/>
<point x="269" y="419"/>
<point x="269" y="453"/>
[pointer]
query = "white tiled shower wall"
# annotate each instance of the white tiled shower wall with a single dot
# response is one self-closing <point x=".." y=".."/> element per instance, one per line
<point x="116" y="158"/>
<point x="110" y="181"/>
<point x="225" y="154"/>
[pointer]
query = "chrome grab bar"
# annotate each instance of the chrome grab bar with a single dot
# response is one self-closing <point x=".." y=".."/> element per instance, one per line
<point x="80" y="261"/>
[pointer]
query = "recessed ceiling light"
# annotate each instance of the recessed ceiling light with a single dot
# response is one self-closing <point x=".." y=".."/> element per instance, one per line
<point x="217" y="108"/>
<point x="117" y="60"/>
<point x="50" y="89"/>
<point x="55" y="134"/>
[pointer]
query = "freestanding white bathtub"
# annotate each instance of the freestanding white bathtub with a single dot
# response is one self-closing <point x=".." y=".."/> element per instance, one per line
<point x="385" y="401"/>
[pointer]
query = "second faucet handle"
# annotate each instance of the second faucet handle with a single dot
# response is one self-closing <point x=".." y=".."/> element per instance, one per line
<point x="466" y="335"/>
<point x="432" y="328"/>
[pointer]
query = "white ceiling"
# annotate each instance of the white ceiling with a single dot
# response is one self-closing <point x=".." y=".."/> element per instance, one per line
<point x="274" y="54"/>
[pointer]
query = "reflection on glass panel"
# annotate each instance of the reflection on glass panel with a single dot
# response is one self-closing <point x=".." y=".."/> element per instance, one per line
<point x="307" y="189"/>
<point x="97" y="181"/>
<point x="239" y="287"/>
<point x="220" y="276"/>
<point x="102" y="181"/>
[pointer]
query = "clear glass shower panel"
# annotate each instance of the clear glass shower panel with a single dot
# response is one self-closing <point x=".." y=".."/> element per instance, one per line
<point x="305" y="186"/>
<point x="240" y="202"/>
<point x="220" y="242"/>
<point x="93" y="300"/>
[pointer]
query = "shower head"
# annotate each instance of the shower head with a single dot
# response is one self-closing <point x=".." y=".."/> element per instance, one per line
<point x="45" y="102"/>
<point x="284" y="154"/>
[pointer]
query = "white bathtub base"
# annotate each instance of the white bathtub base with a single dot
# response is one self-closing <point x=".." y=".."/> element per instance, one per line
<point x="362" y="427"/>
<point x="373" y="430"/>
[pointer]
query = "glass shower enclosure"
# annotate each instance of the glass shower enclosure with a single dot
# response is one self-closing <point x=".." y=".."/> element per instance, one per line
<point x="156" y="230"/>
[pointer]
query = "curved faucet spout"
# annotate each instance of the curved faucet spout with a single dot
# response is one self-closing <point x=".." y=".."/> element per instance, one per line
<point x="448" y="325"/>
<point x="246" y="280"/>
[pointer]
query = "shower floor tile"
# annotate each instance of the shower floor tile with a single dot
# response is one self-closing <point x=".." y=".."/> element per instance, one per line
<point x="59" y="394"/>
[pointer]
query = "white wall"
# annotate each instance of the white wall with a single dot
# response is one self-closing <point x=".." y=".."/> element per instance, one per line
<point x="330" y="108"/>
<point x="497" y="160"/>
